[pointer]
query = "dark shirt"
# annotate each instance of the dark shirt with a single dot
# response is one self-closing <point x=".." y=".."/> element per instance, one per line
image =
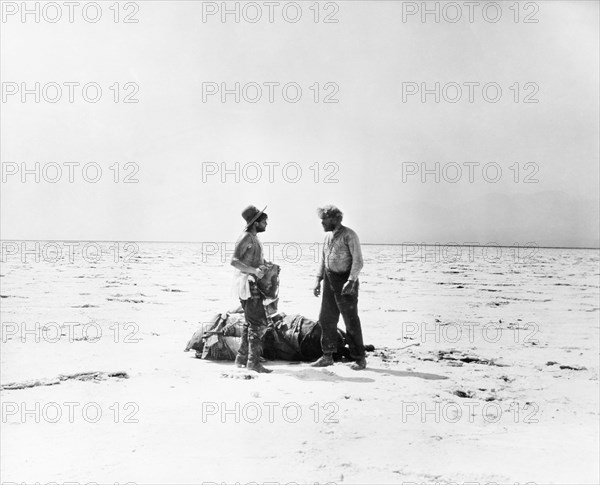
<point x="248" y="250"/>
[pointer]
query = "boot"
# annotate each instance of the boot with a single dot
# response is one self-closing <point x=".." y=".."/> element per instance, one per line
<point x="324" y="361"/>
<point x="241" y="359"/>
<point x="261" y="369"/>
<point x="360" y="364"/>
<point x="254" y="352"/>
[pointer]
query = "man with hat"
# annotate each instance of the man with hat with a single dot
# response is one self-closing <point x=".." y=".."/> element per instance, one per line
<point x="248" y="260"/>
<point x="339" y="268"/>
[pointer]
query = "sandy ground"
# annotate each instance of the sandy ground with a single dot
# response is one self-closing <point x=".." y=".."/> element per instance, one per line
<point x="482" y="373"/>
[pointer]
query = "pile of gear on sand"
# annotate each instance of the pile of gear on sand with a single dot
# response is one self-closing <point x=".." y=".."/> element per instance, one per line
<point x="286" y="337"/>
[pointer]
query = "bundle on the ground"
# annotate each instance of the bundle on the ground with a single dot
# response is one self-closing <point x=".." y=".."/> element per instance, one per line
<point x="287" y="337"/>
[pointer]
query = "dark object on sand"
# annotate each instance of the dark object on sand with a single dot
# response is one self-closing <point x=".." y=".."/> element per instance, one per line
<point x="288" y="337"/>
<point x="573" y="367"/>
<point x="79" y="376"/>
<point x="295" y="337"/>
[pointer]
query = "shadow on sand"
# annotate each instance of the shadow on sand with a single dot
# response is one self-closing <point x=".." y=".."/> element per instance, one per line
<point x="302" y="371"/>
<point x="400" y="373"/>
<point x="328" y="375"/>
<point x="325" y="375"/>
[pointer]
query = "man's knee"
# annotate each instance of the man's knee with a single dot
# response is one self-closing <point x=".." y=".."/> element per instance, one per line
<point x="348" y="305"/>
<point x="327" y="322"/>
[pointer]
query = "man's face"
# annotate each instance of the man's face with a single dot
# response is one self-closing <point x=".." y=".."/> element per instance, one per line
<point x="262" y="225"/>
<point x="328" y="223"/>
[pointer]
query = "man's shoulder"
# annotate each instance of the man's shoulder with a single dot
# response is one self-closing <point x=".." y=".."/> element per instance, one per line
<point x="349" y="233"/>
<point x="245" y="239"/>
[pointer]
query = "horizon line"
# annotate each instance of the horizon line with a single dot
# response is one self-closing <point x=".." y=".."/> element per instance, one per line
<point x="296" y="242"/>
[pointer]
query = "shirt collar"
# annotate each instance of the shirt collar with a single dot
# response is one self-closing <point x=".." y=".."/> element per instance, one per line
<point x="338" y="231"/>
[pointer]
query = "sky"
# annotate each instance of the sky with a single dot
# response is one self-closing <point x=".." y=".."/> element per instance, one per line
<point x="507" y="171"/>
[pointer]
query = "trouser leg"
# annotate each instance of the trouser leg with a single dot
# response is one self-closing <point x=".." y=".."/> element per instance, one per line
<point x="256" y="319"/>
<point x="348" y="306"/>
<point x="328" y="318"/>
<point x="254" y="346"/>
<point x="242" y="355"/>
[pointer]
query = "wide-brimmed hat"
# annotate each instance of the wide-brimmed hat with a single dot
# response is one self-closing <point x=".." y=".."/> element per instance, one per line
<point x="251" y="214"/>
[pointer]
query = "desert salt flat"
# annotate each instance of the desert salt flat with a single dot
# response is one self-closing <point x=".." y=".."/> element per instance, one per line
<point x="485" y="370"/>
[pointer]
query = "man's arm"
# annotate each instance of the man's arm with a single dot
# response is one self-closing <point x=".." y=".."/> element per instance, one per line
<point x="242" y="245"/>
<point x="357" y="258"/>
<point x="244" y="268"/>
<point x="321" y="268"/>
<point x="320" y="271"/>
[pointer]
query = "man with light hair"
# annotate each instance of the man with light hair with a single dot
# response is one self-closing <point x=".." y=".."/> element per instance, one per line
<point x="340" y="265"/>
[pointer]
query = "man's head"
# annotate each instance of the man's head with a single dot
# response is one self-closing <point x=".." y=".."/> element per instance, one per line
<point x="255" y="218"/>
<point x="331" y="217"/>
<point x="261" y="223"/>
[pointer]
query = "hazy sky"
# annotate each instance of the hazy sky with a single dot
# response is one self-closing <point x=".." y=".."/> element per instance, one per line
<point x="370" y="138"/>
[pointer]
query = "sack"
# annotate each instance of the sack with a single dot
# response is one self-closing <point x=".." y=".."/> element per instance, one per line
<point x="218" y="347"/>
<point x="269" y="283"/>
<point x="295" y="338"/>
<point x="219" y="338"/>
<point x="197" y="341"/>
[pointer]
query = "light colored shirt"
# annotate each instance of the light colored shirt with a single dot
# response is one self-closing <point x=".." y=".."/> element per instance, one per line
<point x="341" y="253"/>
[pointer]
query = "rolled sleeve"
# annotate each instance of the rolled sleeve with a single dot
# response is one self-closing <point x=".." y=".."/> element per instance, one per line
<point x="321" y="268"/>
<point x="242" y="245"/>
<point x="357" y="258"/>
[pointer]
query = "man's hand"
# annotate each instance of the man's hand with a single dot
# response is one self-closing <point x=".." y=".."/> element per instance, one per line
<point x="317" y="288"/>
<point x="348" y="288"/>
<point x="260" y="271"/>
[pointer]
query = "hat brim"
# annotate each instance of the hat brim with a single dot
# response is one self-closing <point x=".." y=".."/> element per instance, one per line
<point x="253" y="220"/>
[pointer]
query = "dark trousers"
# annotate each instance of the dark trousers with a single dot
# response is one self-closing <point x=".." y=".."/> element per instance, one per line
<point x="255" y="327"/>
<point x="332" y="304"/>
